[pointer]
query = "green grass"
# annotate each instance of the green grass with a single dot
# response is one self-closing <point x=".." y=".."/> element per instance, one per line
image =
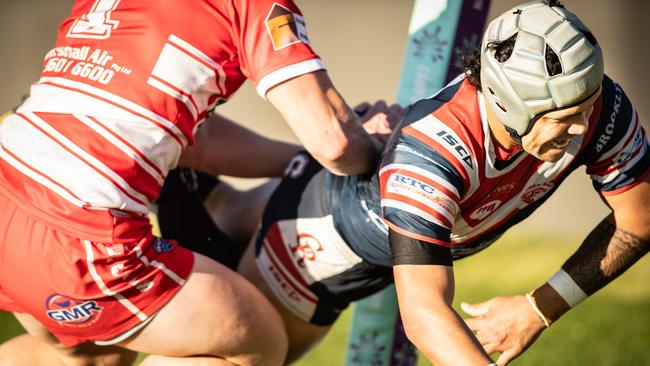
<point x="610" y="328"/>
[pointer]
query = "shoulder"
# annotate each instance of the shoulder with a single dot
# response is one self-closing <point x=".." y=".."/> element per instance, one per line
<point x="446" y="129"/>
<point x="614" y="117"/>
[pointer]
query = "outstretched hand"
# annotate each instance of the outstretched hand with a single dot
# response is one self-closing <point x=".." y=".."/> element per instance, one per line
<point x="507" y="325"/>
<point x="379" y="119"/>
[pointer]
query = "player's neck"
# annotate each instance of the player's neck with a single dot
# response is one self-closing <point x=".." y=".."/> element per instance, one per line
<point x="498" y="132"/>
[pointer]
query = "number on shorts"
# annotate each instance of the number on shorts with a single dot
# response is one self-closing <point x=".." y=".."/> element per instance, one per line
<point x="97" y="23"/>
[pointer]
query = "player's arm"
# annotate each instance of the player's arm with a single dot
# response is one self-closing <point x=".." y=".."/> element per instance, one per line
<point x="510" y="324"/>
<point x="424" y="280"/>
<point x="325" y="124"/>
<point x="225" y="147"/>
<point x="618" y="242"/>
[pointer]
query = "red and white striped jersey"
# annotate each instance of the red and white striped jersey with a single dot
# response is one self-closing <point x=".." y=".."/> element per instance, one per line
<point x="441" y="181"/>
<point x="125" y="87"/>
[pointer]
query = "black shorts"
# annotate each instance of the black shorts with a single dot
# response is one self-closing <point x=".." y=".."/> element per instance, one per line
<point x="301" y="255"/>
<point x="183" y="217"/>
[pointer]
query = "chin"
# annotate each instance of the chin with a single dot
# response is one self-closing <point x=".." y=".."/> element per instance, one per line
<point x="551" y="157"/>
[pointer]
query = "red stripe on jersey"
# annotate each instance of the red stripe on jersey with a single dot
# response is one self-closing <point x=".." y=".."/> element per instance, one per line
<point x="95" y="224"/>
<point x="432" y="183"/>
<point x="462" y="115"/>
<point x="179" y="91"/>
<point x="153" y="121"/>
<point x="44" y="176"/>
<point x="275" y="244"/>
<point x="641" y="179"/>
<point x="504" y="186"/>
<point x="288" y="280"/>
<point x="419" y="205"/>
<point x="106" y="176"/>
<point x="195" y="57"/>
<point x="438" y="148"/>
<point x="112" y="157"/>
<point x="132" y="147"/>
<point x="404" y="232"/>
<point x="499" y="223"/>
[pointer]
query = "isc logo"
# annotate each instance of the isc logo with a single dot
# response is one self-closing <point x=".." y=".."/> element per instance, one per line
<point x="63" y="309"/>
<point x="461" y="152"/>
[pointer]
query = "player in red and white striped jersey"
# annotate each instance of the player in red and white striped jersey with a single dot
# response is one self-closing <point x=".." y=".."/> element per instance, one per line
<point x="120" y="97"/>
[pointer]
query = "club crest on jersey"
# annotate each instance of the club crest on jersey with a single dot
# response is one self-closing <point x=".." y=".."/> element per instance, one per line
<point x="71" y="312"/>
<point x="485" y="210"/>
<point x="535" y="192"/>
<point x="162" y="246"/>
<point x="306" y="249"/>
<point x="285" y="27"/>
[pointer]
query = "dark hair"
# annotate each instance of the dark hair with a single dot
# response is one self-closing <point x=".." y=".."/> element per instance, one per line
<point x="471" y="59"/>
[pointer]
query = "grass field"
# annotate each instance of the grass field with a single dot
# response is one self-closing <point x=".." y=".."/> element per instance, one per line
<point x="610" y="328"/>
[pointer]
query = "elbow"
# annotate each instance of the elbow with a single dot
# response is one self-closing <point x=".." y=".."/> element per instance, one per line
<point x="346" y="156"/>
<point x="415" y="332"/>
<point x="336" y="156"/>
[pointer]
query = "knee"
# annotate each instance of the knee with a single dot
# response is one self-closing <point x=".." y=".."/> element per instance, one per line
<point x="98" y="356"/>
<point x="122" y="357"/>
<point x="259" y="342"/>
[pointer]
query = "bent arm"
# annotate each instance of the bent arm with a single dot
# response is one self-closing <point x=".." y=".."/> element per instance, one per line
<point x="618" y="242"/>
<point x="224" y="147"/>
<point x="324" y="123"/>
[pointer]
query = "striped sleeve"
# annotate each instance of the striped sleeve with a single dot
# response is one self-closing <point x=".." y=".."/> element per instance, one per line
<point x="624" y="158"/>
<point x="420" y="192"/>
<point x="272" y="42"/>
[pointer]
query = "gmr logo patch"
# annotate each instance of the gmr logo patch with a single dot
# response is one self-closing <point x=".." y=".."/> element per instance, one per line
<point x="68" y="311"/>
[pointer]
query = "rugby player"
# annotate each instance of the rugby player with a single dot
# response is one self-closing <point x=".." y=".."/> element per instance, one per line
<point x="465" y="165"/>
<point x="120" y="97"/>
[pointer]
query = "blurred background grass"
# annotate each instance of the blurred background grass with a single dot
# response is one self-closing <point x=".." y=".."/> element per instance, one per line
<point x="610" y="328"/>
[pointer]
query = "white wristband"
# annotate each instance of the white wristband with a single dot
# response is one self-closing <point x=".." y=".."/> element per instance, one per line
<point x="564" y="285"/>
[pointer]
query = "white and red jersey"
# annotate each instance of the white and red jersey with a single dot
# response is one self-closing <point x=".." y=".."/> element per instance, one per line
<point x="442" y="183"/>
<point x="125" y="87"/>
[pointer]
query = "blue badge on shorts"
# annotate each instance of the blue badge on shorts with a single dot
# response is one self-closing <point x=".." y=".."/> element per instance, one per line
<point x="71" y="312"/>
<point x="161" y="245"/>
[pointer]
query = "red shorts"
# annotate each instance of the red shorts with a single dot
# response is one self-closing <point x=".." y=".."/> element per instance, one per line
<point x="80" y="288"/>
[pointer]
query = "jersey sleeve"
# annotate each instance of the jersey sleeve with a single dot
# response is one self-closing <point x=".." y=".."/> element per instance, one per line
<point x="621" y="146"/>
<point x="272" y="42"/>
<point x="420" y="194"/>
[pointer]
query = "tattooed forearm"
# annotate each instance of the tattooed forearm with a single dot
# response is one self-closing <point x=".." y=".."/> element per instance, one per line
<point x="606" y="253"/>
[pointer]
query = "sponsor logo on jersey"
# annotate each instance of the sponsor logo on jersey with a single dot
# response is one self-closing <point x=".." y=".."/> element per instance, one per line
<point x="604" y="138"/>
<point x="502" y="189"/>
<point x="485" y="210"/>
<point x="115" y="250"/>
<point x="457" y="147"/>
<point x="306" y="249"/>
<point x="71" y="312"/>
<point x="282" y="283"/>
<point x="535" y="192"/>
<point x="162" y="246"/>
<point x="408" y="186"/>
<point x="285" y="27"/>
<point x="144" y="286"/>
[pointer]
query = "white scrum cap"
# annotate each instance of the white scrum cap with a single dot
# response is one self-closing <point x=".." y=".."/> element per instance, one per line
<point x="521" y="88"/>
